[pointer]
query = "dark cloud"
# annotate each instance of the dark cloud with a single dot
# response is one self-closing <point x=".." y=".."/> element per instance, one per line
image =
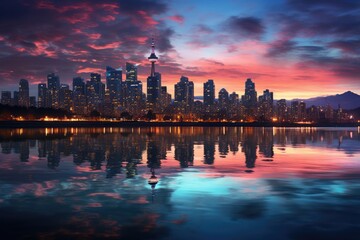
<point x="75" y="35"/>
<point x="306" y="5"/>
<point x="341" y="66"/>
<point x="345" y="67"/>
<point x="329" y="26"/>
<point x="281" y="48"/>
<point x="320" y="18"/>
<point x="347" y="46"/>
<point x="150" y="6"/>
<point x="245" y="27"/>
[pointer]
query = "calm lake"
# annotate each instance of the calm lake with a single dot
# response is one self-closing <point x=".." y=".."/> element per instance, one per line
<point x="206" y="183"/>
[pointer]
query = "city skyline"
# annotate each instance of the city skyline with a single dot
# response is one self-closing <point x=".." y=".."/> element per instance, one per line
<point x="285" y="46"/>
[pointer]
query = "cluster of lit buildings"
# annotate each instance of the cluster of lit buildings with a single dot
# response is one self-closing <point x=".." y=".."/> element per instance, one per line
<point x="119" y="98"/>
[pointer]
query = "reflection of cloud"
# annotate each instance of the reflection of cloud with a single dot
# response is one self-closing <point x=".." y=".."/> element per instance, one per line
<point x="182" y="220"/>
<point x="106" y="194"/>
<point x="140" y="200"/>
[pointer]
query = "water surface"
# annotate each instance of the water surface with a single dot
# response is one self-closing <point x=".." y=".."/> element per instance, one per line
<point x="213" y="183"/>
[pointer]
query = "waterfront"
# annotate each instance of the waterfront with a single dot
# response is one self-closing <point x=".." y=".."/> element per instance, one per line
<point x="214" y="183"/>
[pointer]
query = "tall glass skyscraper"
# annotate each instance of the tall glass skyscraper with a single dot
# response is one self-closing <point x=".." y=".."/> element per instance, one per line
<point x="209" y="93"/>
<point x="24" y="98"/>
<point x="54" y="89"/>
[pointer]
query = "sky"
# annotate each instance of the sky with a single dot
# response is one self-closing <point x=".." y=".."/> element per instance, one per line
<point x="295" y="48"/>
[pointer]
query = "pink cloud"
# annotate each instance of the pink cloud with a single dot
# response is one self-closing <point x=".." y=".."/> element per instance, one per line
<point x="145" y="20"/>
<point x="89" y="70"/>
<point x="105" y="46"/>
<point x="177" y="18"/>
<point x="108" y="18"/>
<point x="110" y="195"/>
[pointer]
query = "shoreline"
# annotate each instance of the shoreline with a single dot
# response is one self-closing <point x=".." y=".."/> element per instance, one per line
<point x="125" y="124"/>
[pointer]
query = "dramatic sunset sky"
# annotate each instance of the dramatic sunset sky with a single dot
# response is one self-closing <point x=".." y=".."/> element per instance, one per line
<point x="295" y="48"/>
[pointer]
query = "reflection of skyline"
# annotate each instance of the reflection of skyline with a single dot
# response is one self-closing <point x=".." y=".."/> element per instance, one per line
<point x="150" y="196"/>
<point x="114" y="150"/>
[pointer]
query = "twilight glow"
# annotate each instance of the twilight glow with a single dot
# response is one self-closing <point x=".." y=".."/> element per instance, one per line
<point x="295" y="48"/>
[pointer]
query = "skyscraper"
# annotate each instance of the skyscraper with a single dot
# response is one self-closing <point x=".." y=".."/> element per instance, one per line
<point x="32" y="101"/>
<point x="184" y="95"/>
<point x="66" y="97"/>
<point x="153" y="81"/>
<point x="131" y="72"/>
<point x="265" y="110"/>
<point x="281" y="113"/>
<point x="249" y="99"/>
<point x="223" y="99"/>
<point x="99" y="87"/>
<point x="79" y="98"/>
<point x="6" y="97"/>
<point x="133" y="101"/>
<point x="209" y="93"/>
<point x="42" y="95"/>
<point x="24" y="99"/>
<point x="165" y="99"/>
<point x="302" y="111"/>
<point x="78" y="85"/>
<point x="153" y="90"/>
<point x="294" y="111"/>
<point x="114" y="84"/>
<point x="15" y="100"/>
<point x="234" y="105"/>
<point x="54" y="88"/>
<point x="95" y="91"/>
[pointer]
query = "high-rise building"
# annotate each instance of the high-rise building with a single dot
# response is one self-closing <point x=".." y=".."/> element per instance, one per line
<point x="79" y="97"/>
<point x="265" y="109"/>
<point x="66" y="97"/>
<point x="234" y="105"/>
<point x="131" y="72"/>
<point x="99" y="87"/>
<point x="249" y="99"/>
<point x="294" y="111"/>
<point x="6" y="97"/>
<point x="95" y="91"/>
<point x="153" y="82"/>
<point x="165" y="99"/>
<point x="223" y="99"/>
<point x="114" y="84"/>
<point x="153" y="90"/>
<point x="53" y="88"/>
<point x="184" y="95"/>
<point x="32" y="101"/>
<point x="79" y="85"/>
<point x="15" y="101"/>
<point x="209" y="93"/>
<point x="314" y="113"/>
<point x="302" y="111"/>
<point x="42" y="95"/>
<point x="281" y="112"/>
<point x="132" y="90"/>
<point x="24" y="99"/>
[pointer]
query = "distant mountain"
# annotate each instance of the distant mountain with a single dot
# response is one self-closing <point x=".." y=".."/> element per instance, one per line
<point x="346" y="100"/>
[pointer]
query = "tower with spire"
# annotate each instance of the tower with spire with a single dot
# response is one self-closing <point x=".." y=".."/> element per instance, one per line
<point x="153" y="81"/>
<point x="152" y="58"/>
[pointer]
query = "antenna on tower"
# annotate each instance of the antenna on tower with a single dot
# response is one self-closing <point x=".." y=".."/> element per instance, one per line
<point x="152" y="45"/>
<point x="152" y="58"/>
